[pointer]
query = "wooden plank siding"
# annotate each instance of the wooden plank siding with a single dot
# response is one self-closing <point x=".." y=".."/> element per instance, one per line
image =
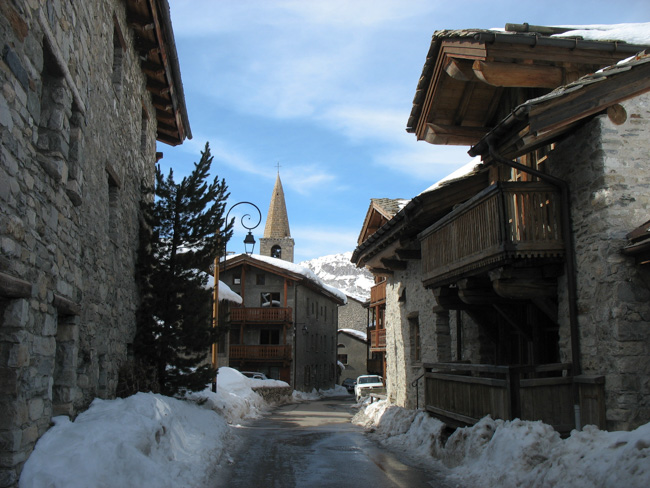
<point x="507" y="221"/>
<point x="265" y="315"/>
<point x="461" y="394"/>
<point x="378" y="339"/>
<point x="378" y="293"/>
<point x="277" y="352"/>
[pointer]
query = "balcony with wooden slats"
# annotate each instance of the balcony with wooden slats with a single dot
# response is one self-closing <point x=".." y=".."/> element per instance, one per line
<point x="378" y="294"/>
<point x="505" y="222"/>
<point x="265" y="315"/>
<point x="378" y="340"/>
<point x="262" y="353"/>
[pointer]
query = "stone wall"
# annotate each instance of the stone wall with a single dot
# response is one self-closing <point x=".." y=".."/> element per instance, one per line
<point x="353" y="315"/>
<point x="409" y="306"/>
<point x="76" y="150"/>
<point x="607" y="167"/>
<point x="357" y="353"/>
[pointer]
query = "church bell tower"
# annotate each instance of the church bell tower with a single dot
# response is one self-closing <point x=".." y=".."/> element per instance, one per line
<point x="277" y="241"/>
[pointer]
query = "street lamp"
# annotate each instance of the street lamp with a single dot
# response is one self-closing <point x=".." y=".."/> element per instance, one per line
<point x="249" y="246"/>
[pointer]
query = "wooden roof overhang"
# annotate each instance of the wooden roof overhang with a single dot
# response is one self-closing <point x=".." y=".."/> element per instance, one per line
<point x="154" y="42"/>
<point x="246" y="260"/>
<point x="472" y="78"/>
<point x="376" y="216"/>
<point x="639" y="244"/>
<point x="395" y="242"/>
<point x="549" y="118"/>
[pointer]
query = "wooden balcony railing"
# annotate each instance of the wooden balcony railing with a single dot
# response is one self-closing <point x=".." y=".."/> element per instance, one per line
<point x="261" y="352"/>
<point x="378" y="339"/>
<point x="462" y="394"/>
<point x="506" y="221"/>
<point x="261" y="314"/>
<point x="378" y="293"/>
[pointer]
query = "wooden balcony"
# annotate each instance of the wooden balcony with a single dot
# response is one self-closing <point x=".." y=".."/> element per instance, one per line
<point x="505" y="222"/>
<point x="461" y="394"/>
<point x="276" y="352"/>
<point x="378" y="340"/>
<point x="378" y="293"/>
<point x="265" y="315"/>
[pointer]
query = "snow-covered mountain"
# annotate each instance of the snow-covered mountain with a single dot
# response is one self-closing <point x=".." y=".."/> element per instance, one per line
<point x="336" y="270"/>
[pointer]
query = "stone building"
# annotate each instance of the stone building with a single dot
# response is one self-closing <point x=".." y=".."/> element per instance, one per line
<point x="287" y="322"/>
<point x="277" y="241"/>
<point x="86" y="88"/>
<point x="508" y="289"/>
<point x="352" y="347"/>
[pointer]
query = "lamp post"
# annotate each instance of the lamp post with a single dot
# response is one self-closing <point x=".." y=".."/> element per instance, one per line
<point x="249" y="246"/>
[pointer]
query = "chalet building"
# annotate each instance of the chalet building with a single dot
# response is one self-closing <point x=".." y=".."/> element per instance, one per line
<point x="517" y="287"/>
<point x="286" y="325"/>
<point x="86" y="90"/>
<point x="287" y="322"/>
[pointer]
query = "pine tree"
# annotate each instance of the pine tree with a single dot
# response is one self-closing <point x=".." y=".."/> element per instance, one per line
<point x="178" y="245"/>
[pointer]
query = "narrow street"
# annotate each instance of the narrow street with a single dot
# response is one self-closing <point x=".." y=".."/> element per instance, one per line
<point x="314" y="445"/>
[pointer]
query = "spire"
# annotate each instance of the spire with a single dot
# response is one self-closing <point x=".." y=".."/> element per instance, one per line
<point x="277" y="221"/>
<point x="277" y="241"/>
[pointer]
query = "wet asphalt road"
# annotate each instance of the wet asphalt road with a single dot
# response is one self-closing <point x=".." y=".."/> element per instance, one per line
<point x="314" y="445"/>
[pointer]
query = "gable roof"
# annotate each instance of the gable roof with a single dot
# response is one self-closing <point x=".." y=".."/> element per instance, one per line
<point x="397" y="239"/>
<point x="380" y="211"/>
<point x="288" y="270"/>
<point x="469" y="74"/>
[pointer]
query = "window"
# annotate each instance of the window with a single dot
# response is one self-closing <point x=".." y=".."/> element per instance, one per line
<point x="236" y="279"/>
<point x="269" y="337"/>
<point x="260" y="279"/>
<point x="270" y="299"/>
<point x="276" y="252"/>
<point x="119" y="46"/>
<point x="414" y="325"/>
<point x="113" y="202"/>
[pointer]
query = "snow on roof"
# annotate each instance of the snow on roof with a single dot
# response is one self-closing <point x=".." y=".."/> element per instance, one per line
<point x="630" y="33"/>
<point x="356" y="333"/>
<point x="460" y="173"/>
<point x="300" y="270"/>
<point x="225" y="293"/>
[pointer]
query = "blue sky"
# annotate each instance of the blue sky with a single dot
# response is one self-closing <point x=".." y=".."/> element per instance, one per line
<point x="324" y="88"/>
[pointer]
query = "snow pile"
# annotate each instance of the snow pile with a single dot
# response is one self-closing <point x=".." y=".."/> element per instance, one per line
<point x="516" y="453"/>
<point x="631" y="33"/>
<point x="301" y="396"/>
<point x="146" y="439"/>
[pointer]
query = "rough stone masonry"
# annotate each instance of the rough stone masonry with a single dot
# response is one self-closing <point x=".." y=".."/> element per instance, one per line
<point x="77" y="148"/>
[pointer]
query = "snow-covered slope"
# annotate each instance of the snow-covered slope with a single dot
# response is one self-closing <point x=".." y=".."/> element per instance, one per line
<point x="336" y="270"/>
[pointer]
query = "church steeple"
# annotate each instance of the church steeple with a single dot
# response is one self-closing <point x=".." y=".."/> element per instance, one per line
<point x="277" y="241"/>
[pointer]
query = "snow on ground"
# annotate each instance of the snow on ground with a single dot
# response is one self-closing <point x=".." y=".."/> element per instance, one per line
<point x="515" y="453"/>
<point x="153" y="440"/>
<point x="148" y="439"/>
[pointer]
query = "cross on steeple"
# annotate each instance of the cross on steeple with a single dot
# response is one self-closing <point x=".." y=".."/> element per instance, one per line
<point x="278" y="165"/>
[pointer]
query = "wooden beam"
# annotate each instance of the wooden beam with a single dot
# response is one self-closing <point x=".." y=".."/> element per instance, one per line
<point x="152" y="68"/>
<point x="454" y="135"/>
<point x="65" y="306"/>
<point x="155" y="86"/>
<point x="161" y="103"/>
<point x="381" y="272"/>
<point x="460" y="69"/>
<point x="406" y="254"/>
<point x="393" y="264"/>
<point x="12" y="287"/>
<point x="139" y="21"/>
<point x="523" y="289"/>
<point x="518" y="75"/>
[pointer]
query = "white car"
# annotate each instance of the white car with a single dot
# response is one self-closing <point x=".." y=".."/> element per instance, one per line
<point x="367" y="384"/>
